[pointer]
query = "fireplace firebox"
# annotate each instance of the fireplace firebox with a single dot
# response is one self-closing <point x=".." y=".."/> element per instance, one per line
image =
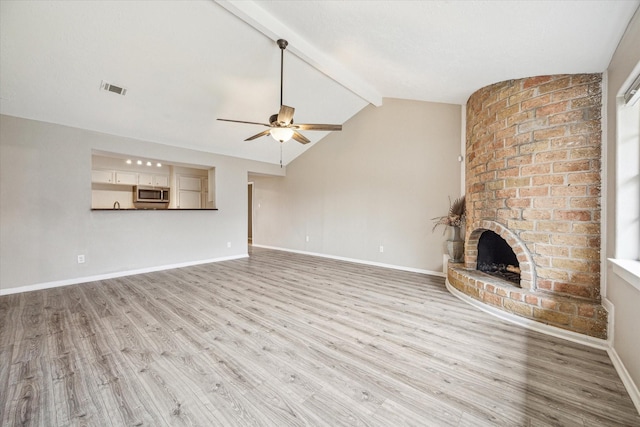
<point x="495" y="257"/>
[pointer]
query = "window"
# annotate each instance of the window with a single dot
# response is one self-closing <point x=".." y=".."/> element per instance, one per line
<point x="626" y="263"/>
<point x="628" y="174"/>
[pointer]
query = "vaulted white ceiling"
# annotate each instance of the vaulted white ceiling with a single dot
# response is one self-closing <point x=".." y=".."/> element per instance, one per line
<point x="186" y="63"/>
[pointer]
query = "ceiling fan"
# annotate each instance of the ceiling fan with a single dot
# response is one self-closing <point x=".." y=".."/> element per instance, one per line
<point x="281" y="125"/>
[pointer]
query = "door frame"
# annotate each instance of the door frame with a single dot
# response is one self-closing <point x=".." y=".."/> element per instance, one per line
<point x="250" y="212"/>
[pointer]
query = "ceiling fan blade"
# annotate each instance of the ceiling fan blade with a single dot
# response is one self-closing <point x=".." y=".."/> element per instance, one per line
<point x="241" y="121"/>
<point x="258" y="135"/>
<point x="285" y="116"/>
<point x="318" y="126"/>
<point x="300" y="138"/>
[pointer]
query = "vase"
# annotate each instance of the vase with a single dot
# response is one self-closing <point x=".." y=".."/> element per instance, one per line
<point x="455" y="246"/>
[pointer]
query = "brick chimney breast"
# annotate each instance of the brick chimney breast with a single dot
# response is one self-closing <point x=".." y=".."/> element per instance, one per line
<point x="533" y="152"/>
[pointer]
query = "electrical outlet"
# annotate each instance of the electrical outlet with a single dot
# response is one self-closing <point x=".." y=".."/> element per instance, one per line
<point x="228" y="244"/>
<point x="307" y="238"/>
<point x="80" y="259"/>
<point x="381" y="248"/>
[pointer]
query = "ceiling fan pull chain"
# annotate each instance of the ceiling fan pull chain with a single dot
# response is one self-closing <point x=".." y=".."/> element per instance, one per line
<point x="281" y="155"/>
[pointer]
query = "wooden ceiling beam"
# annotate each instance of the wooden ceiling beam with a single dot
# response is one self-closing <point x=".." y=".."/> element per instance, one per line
<point x="267" y="24"/>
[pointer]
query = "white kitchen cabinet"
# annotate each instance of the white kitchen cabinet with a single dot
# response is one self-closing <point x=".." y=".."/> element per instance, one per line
<point x="161" y="180"/>
<point x="126" y="178"/>
<point x="189" y="183"/>
<point x="99" y="176"/>
<point x="102" y="176"/>
<point x="153" y="180"/>
<point x="205" y="193"/>
<point x="189" y="200"/>
<point x="145" y="179"/>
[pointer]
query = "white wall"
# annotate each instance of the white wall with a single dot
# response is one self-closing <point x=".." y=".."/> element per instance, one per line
<point x="377" y="183"/>
<point x="46" y="221"/>
<point x="624" y="297"/>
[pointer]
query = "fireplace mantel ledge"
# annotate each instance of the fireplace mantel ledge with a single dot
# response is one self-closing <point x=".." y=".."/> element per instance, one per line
<point x="627" y="269"/>
<point x="530" y="324"/>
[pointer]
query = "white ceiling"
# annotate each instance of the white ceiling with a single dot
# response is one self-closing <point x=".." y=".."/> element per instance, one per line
<point x="187" y="63"/>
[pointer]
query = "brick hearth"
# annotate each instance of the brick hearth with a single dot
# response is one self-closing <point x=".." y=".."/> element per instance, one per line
<point x="533" y="177"/>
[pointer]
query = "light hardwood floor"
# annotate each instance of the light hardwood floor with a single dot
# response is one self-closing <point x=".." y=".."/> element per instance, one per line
<point x="282" y="339"/>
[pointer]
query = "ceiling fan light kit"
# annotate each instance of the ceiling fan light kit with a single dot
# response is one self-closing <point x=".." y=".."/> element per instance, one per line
<point x="281" y="126"/>
<point x="281" y="134"/>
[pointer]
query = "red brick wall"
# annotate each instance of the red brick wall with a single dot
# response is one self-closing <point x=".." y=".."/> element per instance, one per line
<point x="533" y="166"/>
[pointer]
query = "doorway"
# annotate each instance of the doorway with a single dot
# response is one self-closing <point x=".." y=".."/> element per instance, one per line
<point x="250" y="212"/>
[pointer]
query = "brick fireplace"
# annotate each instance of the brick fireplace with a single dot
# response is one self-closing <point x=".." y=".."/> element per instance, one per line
<point x="533" y="178"/>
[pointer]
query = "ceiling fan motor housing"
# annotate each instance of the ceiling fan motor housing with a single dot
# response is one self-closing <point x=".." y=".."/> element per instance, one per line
<point x="273" y="120"/>
<point x="282" y="43"/>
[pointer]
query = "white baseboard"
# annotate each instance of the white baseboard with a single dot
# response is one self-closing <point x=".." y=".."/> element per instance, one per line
<point x="532" y="324"/>
<point x="521" y="321"/>
<point x="624" y="375"/>
<point x="357" y="261"/>
<point x="608" y="305"/>
<point x="628" y="382"/>
<point x="631" y="387"/>
<point x="75" y="281"/>
<point x="598" y="343"/>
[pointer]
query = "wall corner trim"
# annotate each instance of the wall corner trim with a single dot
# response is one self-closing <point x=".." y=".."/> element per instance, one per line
<point x="531" y="324"/>
<point x="631" y="387"/>
<point x="598" y="343"/>
<point x="78" y="280"/>
<point x="357" y="261"/>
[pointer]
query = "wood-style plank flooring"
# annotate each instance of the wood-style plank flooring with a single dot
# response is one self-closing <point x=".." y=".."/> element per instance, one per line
<point x="282" y="339"/>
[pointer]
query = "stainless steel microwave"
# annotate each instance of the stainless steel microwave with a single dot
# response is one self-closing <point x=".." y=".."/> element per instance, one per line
<point x="150" y="194"/>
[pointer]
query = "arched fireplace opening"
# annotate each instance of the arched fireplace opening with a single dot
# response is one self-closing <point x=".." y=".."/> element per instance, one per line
<point x="496" y="257"/>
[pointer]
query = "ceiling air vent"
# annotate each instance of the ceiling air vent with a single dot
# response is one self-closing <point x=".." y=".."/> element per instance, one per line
<point x="113" y="88"/>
